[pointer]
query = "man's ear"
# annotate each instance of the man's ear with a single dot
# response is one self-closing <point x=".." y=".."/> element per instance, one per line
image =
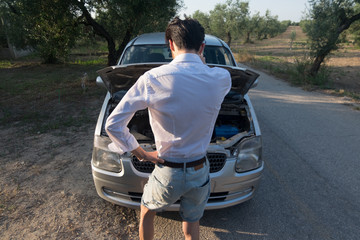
<point x="171" y="44"/>
<point x="201" y="49"/>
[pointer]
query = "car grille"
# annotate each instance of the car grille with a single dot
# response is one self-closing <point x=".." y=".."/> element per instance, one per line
<point x="146" y="167"/>
<point x="217" y="162"/>
<point x="214" y="197"/>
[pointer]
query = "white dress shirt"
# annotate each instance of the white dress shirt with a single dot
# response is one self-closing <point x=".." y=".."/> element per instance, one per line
<point x="183" y="99"/>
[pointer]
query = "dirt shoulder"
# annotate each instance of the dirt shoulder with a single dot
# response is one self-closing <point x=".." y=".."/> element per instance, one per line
<point x="46" y="190"/>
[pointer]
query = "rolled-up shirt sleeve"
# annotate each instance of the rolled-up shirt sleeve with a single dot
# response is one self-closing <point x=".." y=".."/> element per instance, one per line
<point x="116" y="124"/>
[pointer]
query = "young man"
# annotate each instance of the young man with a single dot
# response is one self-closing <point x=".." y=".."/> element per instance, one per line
<point x="183" y="98"/>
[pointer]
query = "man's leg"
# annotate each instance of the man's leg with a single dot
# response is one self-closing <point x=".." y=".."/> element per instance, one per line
<point x="191" y="230"/>
<point x="146" y="228"/>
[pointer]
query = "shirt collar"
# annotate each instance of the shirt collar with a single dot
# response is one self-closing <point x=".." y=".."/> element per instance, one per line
<point x="187" y="57"/>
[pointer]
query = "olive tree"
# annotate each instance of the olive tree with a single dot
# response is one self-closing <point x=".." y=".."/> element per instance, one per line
<point x="117" y="21"/>
<point x="233" y="20"/>
<point x="204" y="20"/>
<point x="228" y="20"/>
<point x="269" y="26"/>
<point x="292" y="38"/>
<point x="48" y="26"/>
<point x="52" y="26"/>
<point x="252" y="26"/>
<point x="327" y="20"/>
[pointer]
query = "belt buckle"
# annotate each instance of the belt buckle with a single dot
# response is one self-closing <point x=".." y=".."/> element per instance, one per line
<point x="200" y="166"/>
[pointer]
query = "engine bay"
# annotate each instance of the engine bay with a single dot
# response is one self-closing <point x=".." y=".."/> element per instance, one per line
<point x="234" y="118"/>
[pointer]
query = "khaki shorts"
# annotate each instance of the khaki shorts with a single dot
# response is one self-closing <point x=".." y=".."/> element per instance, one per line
<point x="189" y="185"/>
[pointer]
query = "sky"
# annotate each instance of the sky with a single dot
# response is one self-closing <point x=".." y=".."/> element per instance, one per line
<point x="285" y="9"/>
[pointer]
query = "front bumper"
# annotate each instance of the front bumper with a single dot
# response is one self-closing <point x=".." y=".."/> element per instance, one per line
<point x="228" y="188"/>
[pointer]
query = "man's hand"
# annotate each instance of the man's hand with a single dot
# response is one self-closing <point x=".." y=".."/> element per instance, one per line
<point x="142" y="155"/>
<point x="153" y="157"/>
<point x="202" y="58"/>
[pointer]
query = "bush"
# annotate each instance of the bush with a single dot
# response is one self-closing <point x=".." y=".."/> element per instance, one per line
<point x="301" y="74"/>
<point x="244" y="55"/>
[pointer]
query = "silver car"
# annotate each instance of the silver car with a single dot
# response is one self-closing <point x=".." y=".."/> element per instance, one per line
<point x="235" y="150"/>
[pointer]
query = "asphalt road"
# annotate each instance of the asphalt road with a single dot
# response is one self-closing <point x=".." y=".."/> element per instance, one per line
<point x="310" y="187"/>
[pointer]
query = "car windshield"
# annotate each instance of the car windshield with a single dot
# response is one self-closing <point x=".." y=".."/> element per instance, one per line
<point x="162" y="53"/>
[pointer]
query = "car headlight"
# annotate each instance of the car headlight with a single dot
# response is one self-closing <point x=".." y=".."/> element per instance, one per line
<point x="106" y="160"/>
<point x="248" y="154"/>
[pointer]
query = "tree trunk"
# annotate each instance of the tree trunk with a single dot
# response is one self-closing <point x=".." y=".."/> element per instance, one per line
<point x="316" y="65"/>
<point x="122" y="46"/>
<point x="345" y="24"/>
<point x="229" y="38"/>
<point x="247" y="37"/>
<point x="113" y="55"/>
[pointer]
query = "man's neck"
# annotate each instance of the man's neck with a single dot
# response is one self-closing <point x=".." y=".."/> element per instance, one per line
<point x="182" y="51"/>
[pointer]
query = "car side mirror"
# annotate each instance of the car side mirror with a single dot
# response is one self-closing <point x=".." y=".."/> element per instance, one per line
<point x="100" y="82"/>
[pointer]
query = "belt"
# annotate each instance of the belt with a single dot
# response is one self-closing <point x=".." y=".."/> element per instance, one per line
<point x="181" y="165"/>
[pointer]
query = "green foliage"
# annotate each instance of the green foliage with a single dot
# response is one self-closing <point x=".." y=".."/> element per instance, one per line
<point x="297" y="73"/>
<point x="52" y="26"/>
<point x="5" y="64"/>
<point x="227" y="20"/>
<point x="287" y="23"/>
<point x="48" y="26"/>
<point x="300" y="73"/>
<point x="356" y="33"/>
<point x="233" y="20"/>
<point x="355" y="28"/>
<point x="204" y="20"/>
<point x="97" y="61"/>
<point x="218" y="21"/>
<point x="270" y="26"/>
<point x="266" y="26"/>
<point x="44" y="82"/>
<point x="137" y="16"/>
<point x="322" y="30"/>
<point x="292" y="38"/>
<point x="304" y="24"/>
<point x="327" y="19"/>
<point x="252" y="26"/>
<point x="118" y="21"/>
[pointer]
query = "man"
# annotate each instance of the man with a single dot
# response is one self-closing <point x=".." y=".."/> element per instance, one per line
<point x="183" y="98"/>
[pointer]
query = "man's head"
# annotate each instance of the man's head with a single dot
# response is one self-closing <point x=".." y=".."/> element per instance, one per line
<point x="187" y="34"/>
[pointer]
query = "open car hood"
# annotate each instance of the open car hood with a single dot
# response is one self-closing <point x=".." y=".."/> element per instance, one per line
<point x="122" y="77"/>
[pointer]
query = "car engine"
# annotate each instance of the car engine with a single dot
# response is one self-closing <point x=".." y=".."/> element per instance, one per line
<point x="234" y="117"/>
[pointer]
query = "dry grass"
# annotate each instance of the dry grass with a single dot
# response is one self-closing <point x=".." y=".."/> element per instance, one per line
<point x="27" y="88"/>
<point x="274" y="55"/>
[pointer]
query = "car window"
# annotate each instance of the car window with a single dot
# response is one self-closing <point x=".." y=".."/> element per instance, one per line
<point x="146" y="53"/>
<point x="162" y="53"/>
<point x="218" y="55"/>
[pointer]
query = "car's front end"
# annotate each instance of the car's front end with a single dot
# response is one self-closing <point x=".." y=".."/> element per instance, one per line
<point x="234" y="152"/>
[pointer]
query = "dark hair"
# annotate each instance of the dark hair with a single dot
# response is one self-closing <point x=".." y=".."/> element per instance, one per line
<point x="186" y="34"/>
